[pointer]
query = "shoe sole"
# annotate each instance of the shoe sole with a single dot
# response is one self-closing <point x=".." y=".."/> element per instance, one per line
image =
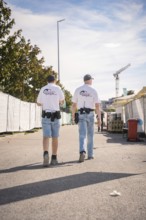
<point x="53" y="163"/>
<point x="90" y="158"/>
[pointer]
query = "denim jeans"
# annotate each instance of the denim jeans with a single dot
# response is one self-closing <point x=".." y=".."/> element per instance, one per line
<point x="50" y="128"/>
<point x="86" y="132"/>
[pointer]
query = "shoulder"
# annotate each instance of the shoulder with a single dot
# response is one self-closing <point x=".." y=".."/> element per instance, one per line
<point x="93" y="90"/>
<point x="78" y="89"/>
<point x="43" y="88"/>
<point x="57" y="87"/>
<point x="54" y="86"/>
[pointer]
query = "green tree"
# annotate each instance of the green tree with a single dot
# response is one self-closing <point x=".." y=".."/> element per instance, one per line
<point x="20" y="63"/>
<point x="6" y="23"/>
<point x="18" y="59"/>
<point x="68" y="99"/>
<point x="22" y="73"/>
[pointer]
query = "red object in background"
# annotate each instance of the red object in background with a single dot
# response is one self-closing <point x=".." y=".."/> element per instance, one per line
<point x="132" y="130"/>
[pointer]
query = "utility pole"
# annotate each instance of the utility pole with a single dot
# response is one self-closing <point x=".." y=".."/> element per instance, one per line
<point x="58" y="47"/>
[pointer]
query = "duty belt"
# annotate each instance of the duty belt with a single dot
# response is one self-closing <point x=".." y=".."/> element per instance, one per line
<point x="85" y="110"/>
<point x="52" y="115"/>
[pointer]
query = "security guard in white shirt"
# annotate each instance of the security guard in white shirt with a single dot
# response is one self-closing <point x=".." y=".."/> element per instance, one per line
<point x="50" y="97"/>
<point x="85" y="101"/>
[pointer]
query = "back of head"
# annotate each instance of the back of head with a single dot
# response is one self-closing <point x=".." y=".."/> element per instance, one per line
<point x="87" y="78"/>
<point x="51" y="79"/>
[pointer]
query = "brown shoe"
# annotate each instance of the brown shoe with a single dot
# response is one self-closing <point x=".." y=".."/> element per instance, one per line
<point x="82" y="157"/>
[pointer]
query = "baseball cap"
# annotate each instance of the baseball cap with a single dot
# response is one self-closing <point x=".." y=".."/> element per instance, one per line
<point x="51" y="78"/>
<point x="87" y="77"/>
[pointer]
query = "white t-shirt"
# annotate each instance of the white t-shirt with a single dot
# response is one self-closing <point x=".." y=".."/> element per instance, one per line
<point x="49" y="96"/>
<point x="85" y="96"/>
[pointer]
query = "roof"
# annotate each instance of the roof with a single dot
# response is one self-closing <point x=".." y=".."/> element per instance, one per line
<point x="141" y="93"/>
<point x="126" y="99"/>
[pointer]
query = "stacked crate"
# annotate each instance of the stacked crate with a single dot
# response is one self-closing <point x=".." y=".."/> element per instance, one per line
<point x="114" y="124"/>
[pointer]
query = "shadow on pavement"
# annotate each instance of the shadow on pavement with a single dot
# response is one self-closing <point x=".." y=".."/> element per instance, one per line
<point x="24" y="167"/>
<point x="36" y="166"/>
<point x="46" y="187"/>
<point x="118" y="138"/>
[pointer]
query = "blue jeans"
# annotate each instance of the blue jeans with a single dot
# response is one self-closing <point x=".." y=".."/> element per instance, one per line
<point x="86" y="131"/>
<point x="50" y="128"/>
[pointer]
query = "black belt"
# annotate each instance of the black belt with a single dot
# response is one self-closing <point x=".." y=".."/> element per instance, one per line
<point x="85" y="110"/>
<point x="51" y="115"/>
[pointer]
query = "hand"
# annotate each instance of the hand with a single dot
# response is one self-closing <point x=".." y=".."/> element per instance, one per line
<point x="72" y="120"/>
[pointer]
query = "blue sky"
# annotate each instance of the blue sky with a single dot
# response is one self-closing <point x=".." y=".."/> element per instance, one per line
<point x="98" y="37"/>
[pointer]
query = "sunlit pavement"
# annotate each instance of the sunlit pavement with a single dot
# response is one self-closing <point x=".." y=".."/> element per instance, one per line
<point x="112" y="186"/>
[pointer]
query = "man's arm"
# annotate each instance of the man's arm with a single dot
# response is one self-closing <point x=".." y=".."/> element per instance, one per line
<point x="38" y="100"/>
<point x="74" y="108"/>
<point x="61" y="98"/>
<point x="61" y="102"/>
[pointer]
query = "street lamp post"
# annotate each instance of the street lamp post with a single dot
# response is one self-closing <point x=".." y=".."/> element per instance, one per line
<point x="58" y="47"/>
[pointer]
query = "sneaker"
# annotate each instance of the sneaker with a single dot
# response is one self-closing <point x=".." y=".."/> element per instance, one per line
<point x="46" y="160"/>
<point x="82" y="157"/>
<point x="54" y="162"/>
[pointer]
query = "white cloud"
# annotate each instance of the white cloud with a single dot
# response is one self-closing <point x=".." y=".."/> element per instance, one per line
<point x="91" y="41"/>
<point x="112" y="45"/>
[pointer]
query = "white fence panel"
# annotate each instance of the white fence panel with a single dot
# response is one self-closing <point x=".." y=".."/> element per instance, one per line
<point x="24" y="116"/>
<point x="128" y="111"/>
<point x="63" y="117"/>
<point x="3" y="111"/>
<point x="68" y="118"/>
<point x="137" y="109"/>
<point x="13" y="114"/>
<point x="32" y="116"/>
<point x="38" y="112"/>
<point x="137" y="106"/>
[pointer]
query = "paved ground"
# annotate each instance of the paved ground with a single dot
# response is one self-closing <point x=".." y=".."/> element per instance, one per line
<point x="72" y="190"/>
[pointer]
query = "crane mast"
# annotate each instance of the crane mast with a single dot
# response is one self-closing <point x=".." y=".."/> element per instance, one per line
<point x="117" y="79"/>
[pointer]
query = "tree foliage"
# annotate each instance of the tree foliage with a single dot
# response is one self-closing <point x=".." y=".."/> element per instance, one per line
<point x="6" y="23"/>
<point x="22" y="73"/>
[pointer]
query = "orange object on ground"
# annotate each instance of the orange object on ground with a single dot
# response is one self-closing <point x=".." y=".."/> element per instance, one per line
<point x="132" y="130"/>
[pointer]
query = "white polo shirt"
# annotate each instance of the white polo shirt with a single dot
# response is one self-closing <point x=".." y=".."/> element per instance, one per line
<point x="85" y="96"/>
<point x="49" y="97"/>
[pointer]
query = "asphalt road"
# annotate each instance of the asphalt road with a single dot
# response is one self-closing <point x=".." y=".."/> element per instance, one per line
<point x="72" y="190"/>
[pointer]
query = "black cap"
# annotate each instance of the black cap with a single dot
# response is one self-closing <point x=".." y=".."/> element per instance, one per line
<point x="88" y="77"/>
<point x="51" y="78"/>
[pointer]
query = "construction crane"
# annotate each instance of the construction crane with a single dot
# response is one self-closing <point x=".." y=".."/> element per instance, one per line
<point x="116" y="75"/>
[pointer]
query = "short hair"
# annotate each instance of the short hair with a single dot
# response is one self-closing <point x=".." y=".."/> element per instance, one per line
<point x="51" y="78"/>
